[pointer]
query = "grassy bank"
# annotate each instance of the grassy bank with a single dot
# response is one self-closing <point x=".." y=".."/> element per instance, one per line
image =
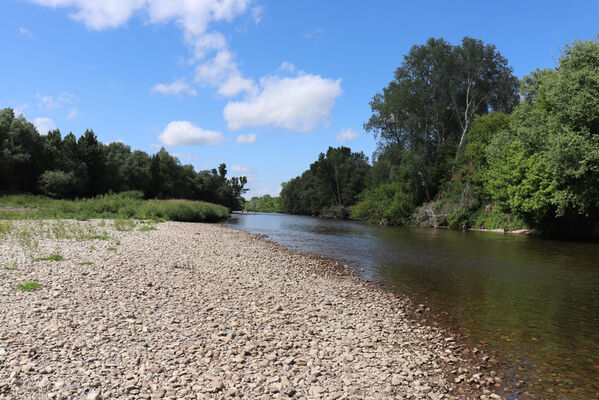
<point x="122" y="206"/>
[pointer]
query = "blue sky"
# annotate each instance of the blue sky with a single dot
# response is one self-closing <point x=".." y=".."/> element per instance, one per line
<point x="263" y="86"/>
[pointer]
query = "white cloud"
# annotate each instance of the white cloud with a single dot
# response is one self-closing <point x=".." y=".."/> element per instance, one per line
<point x="296" y="103"/>
<point x="347" y="135"/>
<point x="249" y="138"/>
<point x="315" y="33"/>
<point x="287" y="67"/>
<point x="257" y="14"/>
<point x="44" y="124"/>
<point x="175" y="88"/>
<point x="235" y="85"/>
<point x="192" y="16"/>
<point x="188" y="156"/>
<point x="45" y="102"/>
<point x="97" y="14"/>
<point x="25" y="32"/>
<point x="185" y="133"/>
<point x="73" y="113"/>
<point x="273" y="191"/>
<point x="48" y="103"/>
<point x="240" y="168"/>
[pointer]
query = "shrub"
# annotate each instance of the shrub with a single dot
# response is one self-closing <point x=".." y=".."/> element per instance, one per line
<point x="58" y="183"/>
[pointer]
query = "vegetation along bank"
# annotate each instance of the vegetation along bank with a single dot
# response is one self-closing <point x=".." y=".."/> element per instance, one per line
<point x="463" y="143"/>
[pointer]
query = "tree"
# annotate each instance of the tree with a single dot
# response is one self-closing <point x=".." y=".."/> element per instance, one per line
<point x="80" y="167"/>
<point x="332" y="184"/>
<point x="430" y="105"/>
<point x="545" y="167"/>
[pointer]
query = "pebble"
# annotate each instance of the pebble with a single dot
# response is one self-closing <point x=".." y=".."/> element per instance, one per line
<point x="202" y="311"/>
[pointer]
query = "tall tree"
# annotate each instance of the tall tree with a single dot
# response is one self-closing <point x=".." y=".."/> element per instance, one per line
<point x="429" y="107"/>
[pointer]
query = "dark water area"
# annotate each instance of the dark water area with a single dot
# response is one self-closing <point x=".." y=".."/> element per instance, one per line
<point x="534" y="301"/>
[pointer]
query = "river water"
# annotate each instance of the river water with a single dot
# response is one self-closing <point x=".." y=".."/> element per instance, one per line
<point x="534" y="301"/>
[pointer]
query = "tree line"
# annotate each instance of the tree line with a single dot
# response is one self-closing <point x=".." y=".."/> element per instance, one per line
<point x="462" y="142"/>
<point x="70" y="167"/>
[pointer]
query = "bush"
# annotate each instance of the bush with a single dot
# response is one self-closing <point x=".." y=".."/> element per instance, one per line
<point x="336" y="212"/>
<point x="385" y="202"/>
<point x="58" y="184"/>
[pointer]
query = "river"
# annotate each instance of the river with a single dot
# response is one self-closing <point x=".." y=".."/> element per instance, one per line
<point x="534" y="301"/>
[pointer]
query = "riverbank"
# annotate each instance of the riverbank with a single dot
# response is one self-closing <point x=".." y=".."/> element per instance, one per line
<point x="177" y="310"/>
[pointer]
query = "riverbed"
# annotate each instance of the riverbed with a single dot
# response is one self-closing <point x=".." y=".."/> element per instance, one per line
<point x="201" y="311"/>
<point x="533" y="301"/>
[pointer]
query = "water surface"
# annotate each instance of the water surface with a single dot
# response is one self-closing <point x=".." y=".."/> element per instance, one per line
<point x="534" y="300"/>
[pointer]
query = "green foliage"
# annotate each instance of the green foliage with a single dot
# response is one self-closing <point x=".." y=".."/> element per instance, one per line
<point x="119" y="206"/>
<point x="52" y="257"/>
<point x="480" y="166"/>
<point x="496" y="219"/>
<point x="72" y="167"/>
<point x="519" y="182"/>
<point x="58" y="184"/>
<point x="332" y="184"/>
<point x="545" y="168"/>
<point x="427" y="110"/>
<point x="147" y="228"/>
<point x="387" y="203"/>
<point x="29" y="286"/>
<point x="265" y="203"/>
<point x="85" y="263"/>
<point x="111" y="249"/>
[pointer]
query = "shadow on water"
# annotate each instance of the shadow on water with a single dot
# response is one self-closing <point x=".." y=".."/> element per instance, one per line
<point x="535" y="300"/>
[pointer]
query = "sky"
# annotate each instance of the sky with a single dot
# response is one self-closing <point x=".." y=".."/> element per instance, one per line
<point x="263" y="86"/>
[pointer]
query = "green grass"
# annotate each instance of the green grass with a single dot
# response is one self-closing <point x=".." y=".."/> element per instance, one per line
<point x="85" y="263"/>
<point x="111" y="249"/>
<point x="52" y="257"/>
<point x="147" y="228"/>
<point x="121" y="206"/>
<point x="29" y="286"/>
<point x="124" y="225"/>
<point x="5" y="228"/>
<point x="12" y="266"/>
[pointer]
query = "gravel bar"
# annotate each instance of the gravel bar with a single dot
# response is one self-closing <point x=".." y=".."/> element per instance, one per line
<point x="201" y="311"/>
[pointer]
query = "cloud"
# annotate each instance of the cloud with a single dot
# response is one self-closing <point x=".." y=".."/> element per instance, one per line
<point x="25" y="32"/>
<point x="73" y="113"/>
<point x="240" y="168"/>
<point x="97" y="15"/>
<point x="249" y="138"/>
<point x="48" y="103"/>
<point x="179" y="133"/>
<point x="44" y="124"/>
<point x="287" y="67"/>
<point x="210" y="52"/>
<point x="347" y="135"/>
<point x="175" y="88"/>
<point x="45" y="102"/>
<point x="273" y="191"/>
<point x="235" y="85"/>
<point x="257" y="14"/>
<point x="188" y="156"/>
<point x="296" y="103"/>
<point x="314" y="34"/>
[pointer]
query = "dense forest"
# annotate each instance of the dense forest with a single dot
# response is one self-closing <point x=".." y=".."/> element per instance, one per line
<point x="463" y="143"/>
<point x="69" y="167"/>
